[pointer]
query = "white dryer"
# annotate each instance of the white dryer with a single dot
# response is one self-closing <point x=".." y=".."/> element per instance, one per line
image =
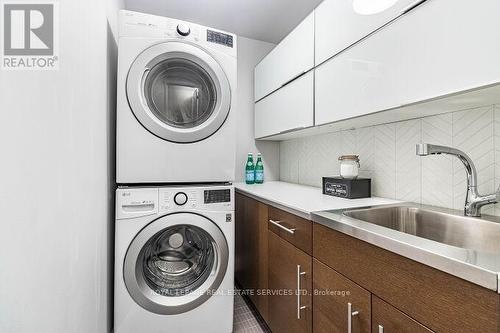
<point x="175" y="91"/>
<point x="174" y="260"/>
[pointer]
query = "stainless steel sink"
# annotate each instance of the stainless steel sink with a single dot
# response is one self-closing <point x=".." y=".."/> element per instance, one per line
<point x="466" y="247"/>
<point x="482" y="235"/>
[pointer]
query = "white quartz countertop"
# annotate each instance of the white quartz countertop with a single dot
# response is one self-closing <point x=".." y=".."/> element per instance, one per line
<point x="302" y="200"/>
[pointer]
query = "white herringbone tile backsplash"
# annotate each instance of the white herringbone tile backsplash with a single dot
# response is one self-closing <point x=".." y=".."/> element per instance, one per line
<point x="387" y="155"/>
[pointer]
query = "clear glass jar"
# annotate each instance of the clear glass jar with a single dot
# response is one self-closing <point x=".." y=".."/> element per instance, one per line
<point x="349" y="166"/>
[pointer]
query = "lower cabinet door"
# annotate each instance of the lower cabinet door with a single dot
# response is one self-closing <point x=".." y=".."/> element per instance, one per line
<point x="340" y="305"/>
<point x="289" y="287"/>
<point x="251" y="250"/>
<point x="388" y="319"/>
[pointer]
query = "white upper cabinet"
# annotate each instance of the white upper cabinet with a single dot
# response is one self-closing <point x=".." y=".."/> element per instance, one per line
<point x="289" y="108"/>
<point x="449" y="46"/>
<point x="442" y="47"/>
<point x="360" y="80"/>
<point x="292" y="57"/>
<point x="341" y="23"/>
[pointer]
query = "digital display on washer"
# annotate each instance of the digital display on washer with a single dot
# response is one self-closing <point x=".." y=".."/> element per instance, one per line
<point x="219" y="38"/>
<point x="216" y="196"/>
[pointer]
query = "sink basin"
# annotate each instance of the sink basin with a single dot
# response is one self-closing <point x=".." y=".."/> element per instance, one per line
<point x="477" y="234"/>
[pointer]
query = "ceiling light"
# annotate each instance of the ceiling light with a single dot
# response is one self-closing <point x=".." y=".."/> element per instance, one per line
<point x="370" y="7"/>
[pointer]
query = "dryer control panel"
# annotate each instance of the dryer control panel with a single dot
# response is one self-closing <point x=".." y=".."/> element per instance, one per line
<point x="219" y="38"/>
<point x="134" y="24"/>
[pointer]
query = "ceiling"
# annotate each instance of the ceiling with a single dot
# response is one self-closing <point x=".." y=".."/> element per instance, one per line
<point x="266" y="20"/>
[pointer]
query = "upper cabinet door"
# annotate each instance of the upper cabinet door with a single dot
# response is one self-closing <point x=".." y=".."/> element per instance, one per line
<point x="289" y="108"/>
<point x="423" y="55"/>
<point x="364" y="79"/>
<point x="292" y="57"/>
<point x="443" y="54"/>
<point x="341" y="23"/>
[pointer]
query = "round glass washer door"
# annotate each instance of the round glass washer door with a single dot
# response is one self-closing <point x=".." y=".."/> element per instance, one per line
<point x="175" y="263"/>
<point x="178" y="92"/>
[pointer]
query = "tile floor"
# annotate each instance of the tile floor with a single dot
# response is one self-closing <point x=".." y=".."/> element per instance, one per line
<point x="245" y="321"/>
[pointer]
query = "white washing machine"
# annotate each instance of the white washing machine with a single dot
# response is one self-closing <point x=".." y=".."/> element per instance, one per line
<point x="174" y="260"/>
<point x="175" y="91"/>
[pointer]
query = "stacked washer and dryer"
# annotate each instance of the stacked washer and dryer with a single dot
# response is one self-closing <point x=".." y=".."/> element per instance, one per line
<point x="174" y="232"/>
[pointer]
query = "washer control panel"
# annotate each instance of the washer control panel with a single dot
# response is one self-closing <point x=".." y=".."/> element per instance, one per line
<point x="203" y="198"/>
<point x="138" y="202"/>
<point x="180" y="198"/>
<point x="216" y="196"/>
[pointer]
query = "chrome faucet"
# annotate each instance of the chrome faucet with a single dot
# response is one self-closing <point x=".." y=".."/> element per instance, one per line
<point x="473" y="200"/>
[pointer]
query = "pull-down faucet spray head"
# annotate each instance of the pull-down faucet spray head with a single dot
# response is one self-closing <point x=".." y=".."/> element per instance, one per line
<point x="473" y="201"/>
<point x="422" y="149"/>
<point x="425" y="149"/>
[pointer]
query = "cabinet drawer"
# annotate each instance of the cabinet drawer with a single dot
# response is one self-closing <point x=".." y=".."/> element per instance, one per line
<point x="388" y="319"/>
<point x="338" y="302"/>
<point x="292" y="228"/>
<point x="289" y="108"/>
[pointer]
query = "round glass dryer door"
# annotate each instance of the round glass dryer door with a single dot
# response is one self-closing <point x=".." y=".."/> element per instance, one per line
<point x="178" y="92"/>
<point x="175" y="263"/>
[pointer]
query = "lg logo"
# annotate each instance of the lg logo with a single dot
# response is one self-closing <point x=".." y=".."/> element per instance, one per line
<point x="30" y="36"/>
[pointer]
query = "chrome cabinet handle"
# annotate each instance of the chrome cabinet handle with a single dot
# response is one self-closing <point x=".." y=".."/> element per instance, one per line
<point x="380" y="329"/>
<point x="277" y="223"/>
<point x="350" y="315"/>
<point x="299" y="307"/>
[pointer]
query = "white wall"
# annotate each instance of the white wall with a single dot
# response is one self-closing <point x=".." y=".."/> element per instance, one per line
<point x="250" y="52"/>
<point x="113" y="6"/>
<point x="57" y="176"/>
<point x="387" y="155"/>
<point x="55" y="183"/>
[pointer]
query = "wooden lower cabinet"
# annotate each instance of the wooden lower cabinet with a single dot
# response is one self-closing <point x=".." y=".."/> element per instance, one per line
<point x="347" y="283"/>
<point x="388" y="319"/>
<point x="338" y="303"/>
<point x="289" y="287"/>
<point x="251" y="250"/>
<point x="440" y="301"/>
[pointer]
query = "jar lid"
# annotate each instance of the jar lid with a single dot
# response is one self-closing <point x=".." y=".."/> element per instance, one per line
<point x="349" y="158"/>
